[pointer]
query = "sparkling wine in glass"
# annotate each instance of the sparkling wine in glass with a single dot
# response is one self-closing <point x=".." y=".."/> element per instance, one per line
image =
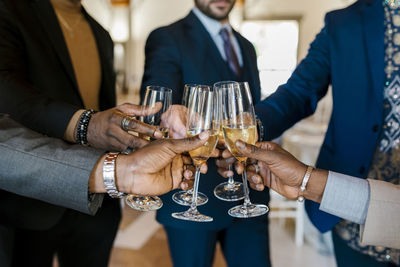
<point x="230" y="190"/>
<point x="185" y="197"/>
<point x="154" y="94"/>
<point x="239" y="123"/>
<point x="203" y="116"/>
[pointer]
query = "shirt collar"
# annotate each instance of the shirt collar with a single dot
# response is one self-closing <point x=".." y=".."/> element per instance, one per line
<point x="212" y="26"/>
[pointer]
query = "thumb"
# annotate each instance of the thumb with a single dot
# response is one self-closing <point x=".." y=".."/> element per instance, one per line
<point x="180" y="146"/>
<point x="255" y="152"/>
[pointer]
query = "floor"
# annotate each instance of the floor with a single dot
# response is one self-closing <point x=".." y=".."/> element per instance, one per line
<point x="141" y="241"/>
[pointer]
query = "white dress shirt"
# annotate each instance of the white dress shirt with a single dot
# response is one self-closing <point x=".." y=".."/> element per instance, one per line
<point x="346" y="197"/>
<point x="214" y="27"/>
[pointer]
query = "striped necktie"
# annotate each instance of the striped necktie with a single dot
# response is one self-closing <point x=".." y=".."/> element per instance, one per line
<point x="230" y="54"/>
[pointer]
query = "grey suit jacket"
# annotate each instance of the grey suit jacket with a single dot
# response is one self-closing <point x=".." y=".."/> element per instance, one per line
<point x="44" y="168"/>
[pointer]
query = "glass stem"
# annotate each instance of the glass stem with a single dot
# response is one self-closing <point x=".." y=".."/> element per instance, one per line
<point x="230" y="180"/>
<point x="245" y="187"/>
<point x="193" y="206"/>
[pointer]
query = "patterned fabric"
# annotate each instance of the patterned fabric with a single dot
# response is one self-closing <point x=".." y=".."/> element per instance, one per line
<point x="386" y="162"/>
<point x="230" y="52"/>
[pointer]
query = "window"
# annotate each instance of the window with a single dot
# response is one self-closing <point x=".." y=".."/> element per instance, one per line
<point x="276" y="44"/>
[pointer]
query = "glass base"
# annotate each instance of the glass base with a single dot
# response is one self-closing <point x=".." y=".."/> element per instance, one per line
<point x="143" y="203"/>
<point x="229" y="192"/>
<point x="248" y="211"/>
<point x="192" y="215"/>
<point x="184" y="198"/>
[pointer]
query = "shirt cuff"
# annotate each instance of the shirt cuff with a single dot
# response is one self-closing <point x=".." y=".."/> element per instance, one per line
<point x="346" y="197"/>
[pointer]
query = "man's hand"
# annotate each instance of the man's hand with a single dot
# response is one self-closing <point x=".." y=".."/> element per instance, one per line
<point x="158" y="167"/>
<point x="105" y="132"/>
<point x="279" y="169"/>
<point x="175" y="120"/>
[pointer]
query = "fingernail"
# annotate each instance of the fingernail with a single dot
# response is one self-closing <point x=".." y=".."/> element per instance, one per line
<point x="240" y="144"/>
<point x="158" y="134"/>
<point x="203" y="135"/>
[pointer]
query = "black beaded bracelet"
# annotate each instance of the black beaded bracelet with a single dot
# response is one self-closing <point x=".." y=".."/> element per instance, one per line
<point x="260" y="127"/>
<point x="81" y="131"/>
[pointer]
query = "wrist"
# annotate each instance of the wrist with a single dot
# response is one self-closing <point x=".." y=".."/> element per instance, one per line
<point x="96" y="183"/>
<point x="316" y="185"/>
<point x="122" y="174"/>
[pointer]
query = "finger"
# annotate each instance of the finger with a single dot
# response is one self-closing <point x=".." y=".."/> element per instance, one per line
<point x="225" y="163"/>
<point x="126" y="139"/>
<point x="254" y="178"/>
<point x="136" y="125"/>
<point x="256" y="152"/>
<point x="226" y="154"/>
<point x="179" y="146"/>
<point x="137" y="110"/>
<point x="187" y="160"/>
<point x="189" y="172"/>
<point x="203" y="168"/>
<point x="239" y="167"/>
<point x="187" y="184"/>
<point x="225" y="172"/>
<point x="143" y="128"/>
<point x="215" y="153"/>
<point x="177" y="172"/>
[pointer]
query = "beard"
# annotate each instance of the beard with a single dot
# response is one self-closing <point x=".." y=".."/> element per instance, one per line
<point x="207" y="10"/>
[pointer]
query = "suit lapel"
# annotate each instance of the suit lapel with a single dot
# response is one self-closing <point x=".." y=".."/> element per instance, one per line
<point x="372" y="19"/>
<point x="46" y="15"/>
<point x="206" y="43"/>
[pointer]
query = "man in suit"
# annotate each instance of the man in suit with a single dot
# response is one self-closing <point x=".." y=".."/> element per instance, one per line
<point x="357" y="54"/>
<point x="57" y="61"/>
<point x="371" y="203"/>
<point x="202" y="48"/>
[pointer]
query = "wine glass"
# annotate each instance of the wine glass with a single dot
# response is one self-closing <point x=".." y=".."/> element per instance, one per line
<point x="153" y="95"/>
<point x="231" y="190"/>
<point x="184" y="197"/>
<point x="239" y="123"/>
<point x="203" y="116"/>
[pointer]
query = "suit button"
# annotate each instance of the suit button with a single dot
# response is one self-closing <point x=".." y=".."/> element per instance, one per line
<point x="362" y="169"/>
<point x="375" y="128"/>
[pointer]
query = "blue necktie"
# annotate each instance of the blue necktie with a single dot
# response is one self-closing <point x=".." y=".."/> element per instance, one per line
<point x="230" y="54"/>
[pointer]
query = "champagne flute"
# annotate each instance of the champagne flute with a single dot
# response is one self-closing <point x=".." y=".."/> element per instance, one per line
<point x="203" y="116"/>
<point x="154" y="94"/>
<point x="231" y="190"/>
<point x="239" y="123"/>
<point x="183" y="197"/>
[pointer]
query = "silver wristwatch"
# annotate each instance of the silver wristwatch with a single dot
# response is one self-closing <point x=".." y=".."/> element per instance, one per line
<point x="109" y="175"/>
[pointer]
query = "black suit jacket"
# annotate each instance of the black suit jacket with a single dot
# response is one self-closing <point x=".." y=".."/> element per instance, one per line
<point x="38" y="88"/>
<point x="184" y="53"/>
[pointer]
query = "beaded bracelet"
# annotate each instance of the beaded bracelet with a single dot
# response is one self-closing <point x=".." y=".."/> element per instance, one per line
<point x="82" y="128"/>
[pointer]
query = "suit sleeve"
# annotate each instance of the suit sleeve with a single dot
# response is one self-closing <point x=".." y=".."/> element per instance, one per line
<point x="382" y="225"/>
<point x="162" y="64"/>
<point x="45" y="168"/>
<point x="298" y="98"/>
<point x="18" y="97"/>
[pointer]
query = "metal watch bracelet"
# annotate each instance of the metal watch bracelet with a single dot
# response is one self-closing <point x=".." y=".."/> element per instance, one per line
<point x="109" y="175"/>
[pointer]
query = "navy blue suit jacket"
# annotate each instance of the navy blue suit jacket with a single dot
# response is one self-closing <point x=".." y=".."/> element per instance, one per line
<point x="184" y="53"/>
<point x="348" y="54"/>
